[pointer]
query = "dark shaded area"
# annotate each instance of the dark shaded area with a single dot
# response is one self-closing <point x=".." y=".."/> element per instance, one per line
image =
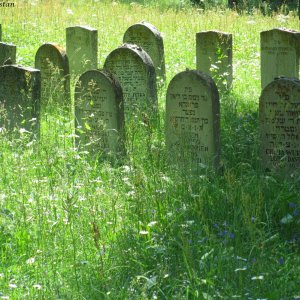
<point x="267" y="6"/>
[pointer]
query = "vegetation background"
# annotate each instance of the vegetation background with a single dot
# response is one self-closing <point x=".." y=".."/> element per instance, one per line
<point x="76" y="227"/>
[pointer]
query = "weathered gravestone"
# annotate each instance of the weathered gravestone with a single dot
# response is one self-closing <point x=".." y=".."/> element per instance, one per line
<point x="7" y="51"/>
<point x="149" y="38"/>
<point x="82" y="48"/>
<point x="279" y="54"/>
<point x="99" y="113"/>
<point x="19" y="98"/>
<point x="214" y="56"/>
<point x="279" y="109"/>
<point x="193" y="120"/>
<point x="134" y="70"/>
<point x="52" y="60"/>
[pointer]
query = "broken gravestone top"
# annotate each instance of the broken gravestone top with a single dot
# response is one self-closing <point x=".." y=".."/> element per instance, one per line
<point x="82" y="48"/>
<point x="214" y="56"/>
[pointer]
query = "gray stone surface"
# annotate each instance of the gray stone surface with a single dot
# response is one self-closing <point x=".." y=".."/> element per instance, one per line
<point x="7" y="51"/>
<point x="134" y="70"/>
<point x="193" y="120"/>
<point x="19" y="98"/>
<point x="52" y="61"/>
<point x="279" y="111"/>
<point x="82" y="48"/>
<point x="149" y="38"/>
<point x="279" y="54"/>
<point x="99" y="113"/>
<point x="214" y="56"/>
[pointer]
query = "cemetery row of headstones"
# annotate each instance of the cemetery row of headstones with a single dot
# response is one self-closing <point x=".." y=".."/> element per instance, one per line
<point x="279" y="53"/>
<point x="192" y="107"/>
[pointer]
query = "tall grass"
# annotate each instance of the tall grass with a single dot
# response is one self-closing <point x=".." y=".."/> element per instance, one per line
<point x="73" y="227"/>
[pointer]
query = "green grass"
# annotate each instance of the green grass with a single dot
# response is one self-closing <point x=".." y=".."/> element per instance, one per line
<point x="72" y="227"/>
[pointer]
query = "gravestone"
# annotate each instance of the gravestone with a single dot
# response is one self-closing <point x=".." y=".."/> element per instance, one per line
<point x="19" y="98"/>
<point x="193" y="120"/>
<point x="279" y="109"/>
<point x="279" y="54"/>
<point x="99" y="113"/>
<point x="52" y="60"/>
<point x="149" y="38"/>
<point x="134" y="70"/>
<point x="214" y="56"/>
<point x="82" y="48"/>
<point x="7" y="51"/>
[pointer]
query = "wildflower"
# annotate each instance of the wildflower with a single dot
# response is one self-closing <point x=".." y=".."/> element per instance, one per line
<point x="252" y="220"/>
<point x="231" y="235"/>
<point x="292" y="205"/>
<point x="281" y="261"/>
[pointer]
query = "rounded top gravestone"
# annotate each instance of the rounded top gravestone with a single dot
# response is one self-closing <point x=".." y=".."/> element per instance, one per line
<point x="134" y="70"/>
<point x="149" y="38"/>
<point x="279" y="115"/>
<point x="53" y="62"/>
<point x="193" y="120"/>
<point x="99" y="113"/>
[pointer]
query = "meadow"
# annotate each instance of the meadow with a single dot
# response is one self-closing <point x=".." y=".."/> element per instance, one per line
<point x="77" y="227"/>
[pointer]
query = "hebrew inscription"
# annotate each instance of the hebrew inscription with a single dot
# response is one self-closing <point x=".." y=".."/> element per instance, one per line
<point x="280" y="125"/>
<point x="192" y="119"/>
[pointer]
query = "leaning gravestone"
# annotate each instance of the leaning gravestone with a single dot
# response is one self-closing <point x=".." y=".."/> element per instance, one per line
<point x="99" y="113"/>
<point x="52" y="60"/>
<point x="134" y="70"/>
<point x="82" y="48"/>
<point x="149" y="38"/>
<point x="280" y="51"/>
<point x="7" y="51"/>
<point x="279" y="109"/>
<point x="19" y="98"/>
<point x="214" y="56"/>
<point x="193" y="120"/>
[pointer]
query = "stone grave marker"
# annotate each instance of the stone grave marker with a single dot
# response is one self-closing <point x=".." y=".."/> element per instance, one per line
<point x="193" y="120"/>
<point x="52" y="60"/>
<point x="19" y="98"/>
<point x="279" y="111"/>
<point x="82" y="48"/>
<point x="134" y="70"/>
<point x="149" y="38"/>
<point x="7" y="51"/>
<point x="214" y="56"/>
<point x="99" y="113"/>
<point x="280" y="50"/>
